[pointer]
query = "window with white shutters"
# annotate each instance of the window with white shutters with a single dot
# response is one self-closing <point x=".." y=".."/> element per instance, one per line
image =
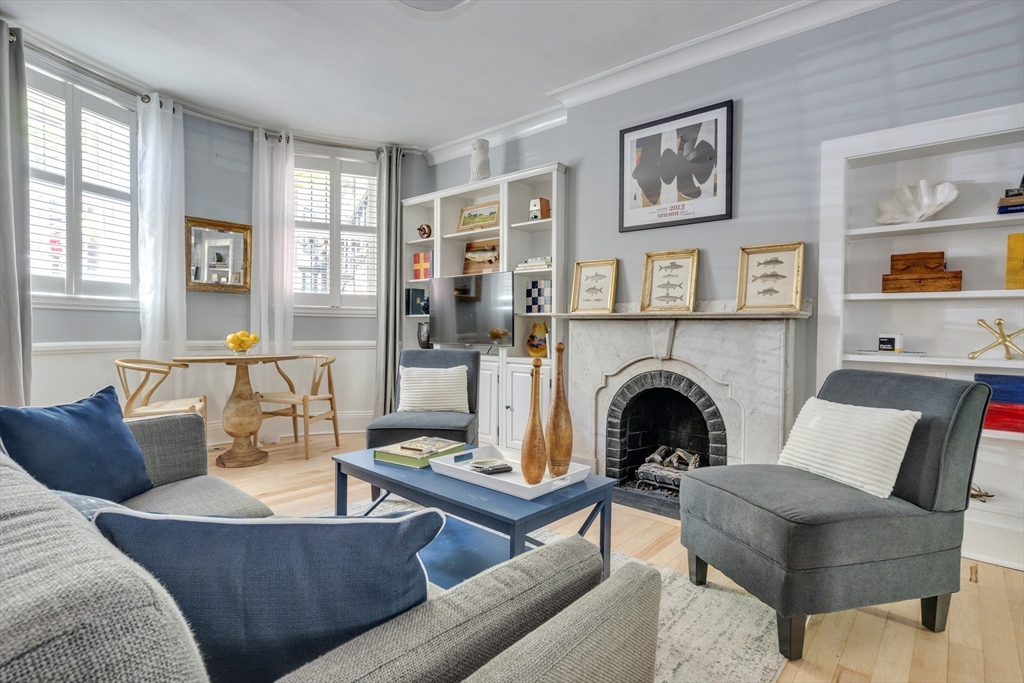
<point x="81" y="202"/>
<point x="335" y="232"/>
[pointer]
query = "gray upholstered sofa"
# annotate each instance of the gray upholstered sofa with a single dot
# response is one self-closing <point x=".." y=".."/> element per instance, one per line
<point x="402" y="426"/>
<point x="74" y="608"/>
<point x="174" y="448"/>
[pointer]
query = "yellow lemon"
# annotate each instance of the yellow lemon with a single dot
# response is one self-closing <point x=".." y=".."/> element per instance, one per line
<point x="255" y="338"/>
<point x="246" y="343"/>
<point x="233" y="339"/>
<point x="233" y="346"/>
<point x="243" y="334"/>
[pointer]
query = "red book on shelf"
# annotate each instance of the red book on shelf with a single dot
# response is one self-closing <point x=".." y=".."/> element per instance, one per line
<point x="421" y="265"/>
<point x="1006" y="417"/>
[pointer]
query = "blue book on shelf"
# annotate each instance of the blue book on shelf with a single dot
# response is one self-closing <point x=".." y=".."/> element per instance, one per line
<point x="1005" y="388"/>
<point x="1011" y="209"/>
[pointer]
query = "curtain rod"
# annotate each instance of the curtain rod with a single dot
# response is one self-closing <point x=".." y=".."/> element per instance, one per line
<point x="31" y="44"/>
<point x="145" y="97"/>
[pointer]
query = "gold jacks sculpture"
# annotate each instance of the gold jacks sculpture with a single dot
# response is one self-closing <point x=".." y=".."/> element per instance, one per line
<point x="1002" y="339"/>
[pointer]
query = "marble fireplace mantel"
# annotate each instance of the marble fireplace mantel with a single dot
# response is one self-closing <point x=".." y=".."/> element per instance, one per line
<point x="744" y="361"/>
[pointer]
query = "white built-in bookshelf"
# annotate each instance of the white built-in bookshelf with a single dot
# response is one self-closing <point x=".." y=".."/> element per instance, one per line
<point x="982" y="154"/>
<point x="505" y="371"/>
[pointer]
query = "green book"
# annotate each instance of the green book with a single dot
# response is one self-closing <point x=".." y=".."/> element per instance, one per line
<point x="417" y="452"/>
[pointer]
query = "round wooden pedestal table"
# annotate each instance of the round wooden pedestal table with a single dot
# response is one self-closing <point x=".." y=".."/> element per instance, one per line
<point x="242" y="415"/>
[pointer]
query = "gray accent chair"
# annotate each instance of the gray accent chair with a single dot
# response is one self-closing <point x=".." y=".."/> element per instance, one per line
<point x="804" y="544"/>
<point x="75" y="608"/>
<point x="402" y="426"/>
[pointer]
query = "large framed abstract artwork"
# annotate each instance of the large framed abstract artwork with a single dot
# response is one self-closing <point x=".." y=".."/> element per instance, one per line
<point x="677" y="170"/>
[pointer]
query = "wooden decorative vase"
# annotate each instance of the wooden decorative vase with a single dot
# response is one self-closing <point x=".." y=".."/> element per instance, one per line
<point x="559" y="430"/>
<point x="535" y="452"/>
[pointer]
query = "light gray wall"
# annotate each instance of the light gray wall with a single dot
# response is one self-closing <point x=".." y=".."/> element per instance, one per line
<point x="417" y="176"/>
<point x="218" y="186"/>
<point x="903" y="63"/>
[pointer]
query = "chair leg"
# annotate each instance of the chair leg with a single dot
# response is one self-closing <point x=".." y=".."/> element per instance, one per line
<point x="791" y="635"/>
<point x="305" y="423"/>
<point x="295" y="424"/>
<point x="698" y="569"/>
<point x="334" y="420"/>
<point x="934" y="611"/>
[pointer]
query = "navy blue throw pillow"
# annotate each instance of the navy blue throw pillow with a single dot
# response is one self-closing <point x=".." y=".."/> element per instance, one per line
<point x="265" y="596"/>
<point x="83" y="447"/>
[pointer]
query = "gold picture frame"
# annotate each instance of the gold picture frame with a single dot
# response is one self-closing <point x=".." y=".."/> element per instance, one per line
<point x="479" y="216"/>
<point x="603" y="274"/>
<point x="778" y="271"/>
<point x="663" y="271"/>
<point x="204" y="236"/>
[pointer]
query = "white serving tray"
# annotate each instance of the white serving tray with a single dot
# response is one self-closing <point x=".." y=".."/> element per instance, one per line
<point x="512" y="482"/>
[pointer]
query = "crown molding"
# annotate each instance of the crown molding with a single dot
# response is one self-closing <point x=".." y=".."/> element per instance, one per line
<point x="781" y="23"/>
<point x="767" y="28"/>
<point x="499" y="135"/>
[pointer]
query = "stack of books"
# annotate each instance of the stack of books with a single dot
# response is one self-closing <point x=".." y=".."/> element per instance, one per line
<point x="1013" y="202"/>
<point x="538" y="263"/>
<point x="417" y="452"/>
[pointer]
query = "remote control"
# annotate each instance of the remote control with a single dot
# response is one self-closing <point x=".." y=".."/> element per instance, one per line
<point x="493" y="469"/>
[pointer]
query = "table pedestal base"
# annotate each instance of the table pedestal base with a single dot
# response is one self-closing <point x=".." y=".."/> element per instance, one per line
<point x="242" y="454"/>
<point x="241" y="419"/>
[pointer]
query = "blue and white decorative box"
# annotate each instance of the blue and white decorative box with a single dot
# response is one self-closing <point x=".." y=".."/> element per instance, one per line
<point x="538" y="297"/>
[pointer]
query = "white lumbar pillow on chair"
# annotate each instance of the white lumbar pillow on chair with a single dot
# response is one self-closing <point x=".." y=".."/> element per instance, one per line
<point x="429" y="389"/>
<point x="854" y="445"/>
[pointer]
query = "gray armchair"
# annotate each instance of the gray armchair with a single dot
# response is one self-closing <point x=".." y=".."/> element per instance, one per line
<point x="804" y="544"/>
<point x="401" y="426"/>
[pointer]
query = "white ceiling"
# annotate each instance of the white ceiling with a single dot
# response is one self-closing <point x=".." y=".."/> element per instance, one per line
<point x="371" y="69"/>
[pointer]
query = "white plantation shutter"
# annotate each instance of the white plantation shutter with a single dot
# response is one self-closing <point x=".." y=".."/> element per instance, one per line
<point x="81" y="211"/>
<point x="106" y="201"/>
<point x="335" y="232"/>
<point x="47" y="150"/>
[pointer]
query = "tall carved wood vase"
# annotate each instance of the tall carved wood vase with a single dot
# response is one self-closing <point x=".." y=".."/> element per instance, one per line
<point x="535" y="451"/>
<point x="559" y="431"/>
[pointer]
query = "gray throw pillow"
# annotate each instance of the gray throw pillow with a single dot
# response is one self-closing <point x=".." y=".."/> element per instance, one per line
<point x="265" y="596"/>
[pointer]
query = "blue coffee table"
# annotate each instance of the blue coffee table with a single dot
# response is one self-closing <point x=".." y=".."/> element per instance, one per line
<point x="463" y="550"/>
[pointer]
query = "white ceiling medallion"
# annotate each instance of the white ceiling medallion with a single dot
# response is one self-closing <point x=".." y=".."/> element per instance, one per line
<point x="433" y="5"/>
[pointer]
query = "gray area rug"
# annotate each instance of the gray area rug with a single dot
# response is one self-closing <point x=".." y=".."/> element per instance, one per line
<point x="709" y="634"/>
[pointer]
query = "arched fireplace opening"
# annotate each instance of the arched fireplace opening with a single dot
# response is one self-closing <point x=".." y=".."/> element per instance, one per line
<point x="667" y="414"/>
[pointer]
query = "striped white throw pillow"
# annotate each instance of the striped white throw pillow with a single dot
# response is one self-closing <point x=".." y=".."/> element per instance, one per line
<point x="434" y="389"/>
<point x="857" y="446"/>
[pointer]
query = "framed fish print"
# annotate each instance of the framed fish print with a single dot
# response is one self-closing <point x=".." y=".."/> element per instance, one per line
<point x="676" y="170"/>
<point x="593" y="286"/>
<point x="771" y="278"/>
<point x="670" y="280"/>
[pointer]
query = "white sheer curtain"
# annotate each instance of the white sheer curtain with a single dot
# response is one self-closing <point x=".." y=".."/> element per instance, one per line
<point x="271" y="302"/>
<point x="15" y="283"/>
<point x="161" y="233"/>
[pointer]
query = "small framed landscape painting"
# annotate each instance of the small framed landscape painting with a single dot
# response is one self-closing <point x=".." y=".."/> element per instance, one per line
<point x="676" y="170"/>
<point x="484" y="215"/>
<point x="670" y="280"/>
<point x="593" y="286"/>
<point x="771" y="278"/>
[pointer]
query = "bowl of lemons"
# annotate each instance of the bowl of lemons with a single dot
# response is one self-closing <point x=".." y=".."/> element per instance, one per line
<point x="241" y="342"/>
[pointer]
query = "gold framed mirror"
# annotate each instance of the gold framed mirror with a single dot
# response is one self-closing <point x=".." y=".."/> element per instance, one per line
<point x="218" y="256"/>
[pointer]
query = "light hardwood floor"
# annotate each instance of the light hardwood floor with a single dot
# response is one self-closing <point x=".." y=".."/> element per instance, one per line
<point x="984" y="639"/>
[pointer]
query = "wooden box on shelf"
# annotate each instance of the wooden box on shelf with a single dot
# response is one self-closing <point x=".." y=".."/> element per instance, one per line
<point x="923" y="271"/>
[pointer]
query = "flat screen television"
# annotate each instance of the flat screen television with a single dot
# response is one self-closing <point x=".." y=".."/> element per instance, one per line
<point x="472" y="309"/>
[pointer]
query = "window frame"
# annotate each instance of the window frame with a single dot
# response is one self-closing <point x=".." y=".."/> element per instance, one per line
<point x="336" y="303"/>
<point x="79" y="92"/>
